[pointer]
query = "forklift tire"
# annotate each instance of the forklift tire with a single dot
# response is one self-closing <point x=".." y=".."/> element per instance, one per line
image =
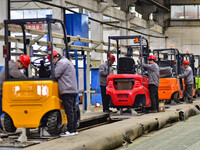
<point x="195" y="95"/>
<point x="53" y="125"/>
<point x="8" y="124"/>
<point x="78" y="117"/>
<point x="175" y="97"/>
<point x="198" y="92"/>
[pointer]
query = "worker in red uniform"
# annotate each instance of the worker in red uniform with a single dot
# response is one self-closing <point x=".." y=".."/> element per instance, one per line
<point x="67" y="85"/>
<point x="14" y="72"/>
<point x="188" y="80"/>
<point x="103" y="73"/>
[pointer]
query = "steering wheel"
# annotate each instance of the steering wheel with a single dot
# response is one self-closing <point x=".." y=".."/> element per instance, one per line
<point x="41" y="67"/>
<point x="37" y="61"/>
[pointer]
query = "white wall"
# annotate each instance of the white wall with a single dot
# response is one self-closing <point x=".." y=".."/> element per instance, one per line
<point x="184" y="38"/>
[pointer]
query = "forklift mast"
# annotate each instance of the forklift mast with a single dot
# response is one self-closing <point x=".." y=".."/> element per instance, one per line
<point x="22" y="23"/>
<point x="140" y="43"/>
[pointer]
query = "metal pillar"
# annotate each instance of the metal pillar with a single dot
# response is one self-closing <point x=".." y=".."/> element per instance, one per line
<point x="4" y="11"/>
<point x="88" y="83"/>
<point x="85" y="81"/>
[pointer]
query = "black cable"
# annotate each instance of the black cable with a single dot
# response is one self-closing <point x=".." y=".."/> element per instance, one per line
<point x="21" y="6"/>
<point x="39" y="6"/>
<point x="54" y="5"/>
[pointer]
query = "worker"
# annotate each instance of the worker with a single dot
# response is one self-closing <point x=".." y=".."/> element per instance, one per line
<point x="14" y="72"/>
<point x="188" y="80"/>
<point x="103" y="73"/>
<point x="67" y="85"/>
<point x="153" y="71"/>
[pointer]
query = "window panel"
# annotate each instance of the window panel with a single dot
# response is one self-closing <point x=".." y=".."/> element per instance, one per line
<point x="190" y="11"/>
<point x="17" y="14"/>
<point x="43" y="12"/>
<point x="177" y="12"/>
<point x="30" y="14"/>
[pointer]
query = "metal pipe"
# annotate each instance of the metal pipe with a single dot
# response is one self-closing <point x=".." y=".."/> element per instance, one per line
<point x="6" y="57"/>
<point x="101" y="22"/>
<point x="51" y="45"/>
<point x="160" y="5"/>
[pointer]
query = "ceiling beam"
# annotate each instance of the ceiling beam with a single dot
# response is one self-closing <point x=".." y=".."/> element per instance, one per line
<point x="184" y="2"/>
<point x="94" y="6"/>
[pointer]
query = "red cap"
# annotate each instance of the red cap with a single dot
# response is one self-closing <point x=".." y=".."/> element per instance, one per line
<point x="153" y="57"/>
<point x="185" y="62"/>
<point x="25" y="60"/>
<point x="112" y="57"/>
<point x="54" y="54"/>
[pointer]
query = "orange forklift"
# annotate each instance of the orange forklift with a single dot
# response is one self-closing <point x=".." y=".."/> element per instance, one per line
<point x="34" y="102"/>
<point x="171" y="88"/>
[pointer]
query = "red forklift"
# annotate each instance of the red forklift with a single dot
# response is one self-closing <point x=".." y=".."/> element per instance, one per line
<point x="129" y="87"/>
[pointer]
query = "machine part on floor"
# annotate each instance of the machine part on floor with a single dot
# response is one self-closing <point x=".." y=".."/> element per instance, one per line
<point x="44" y="132"/>
<point x="23" y="138"/>
<point x="120" y="111"/>
<point x="133" y="112"/>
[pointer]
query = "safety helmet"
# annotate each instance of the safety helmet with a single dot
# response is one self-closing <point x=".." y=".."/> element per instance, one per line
<point x="152" y="57"/>
<point x="25" y="60"/>
<point x="55" y="53"/>
<point x="185" y="62"/>
<point x="112" y="57"/>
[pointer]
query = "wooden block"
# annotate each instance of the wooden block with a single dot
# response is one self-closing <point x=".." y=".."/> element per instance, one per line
<point x="161" y="107"/>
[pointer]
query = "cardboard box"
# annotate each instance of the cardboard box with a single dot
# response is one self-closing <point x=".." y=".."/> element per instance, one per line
<point x="161" y="107"/>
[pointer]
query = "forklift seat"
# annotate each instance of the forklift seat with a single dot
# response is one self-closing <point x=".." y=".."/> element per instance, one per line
<point x="44" y="71"/>
<point x="166" y="63"/>
<point x="165" y="72"/>
<point x="126" y="65"/>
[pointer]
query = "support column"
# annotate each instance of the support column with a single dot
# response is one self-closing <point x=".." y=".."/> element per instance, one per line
<point x="124" y="32"/>
<point x="4" y="16"/>
<point x="57" y="13"/>
<point x="88" y="83"/>
<point x="96" y="34"/>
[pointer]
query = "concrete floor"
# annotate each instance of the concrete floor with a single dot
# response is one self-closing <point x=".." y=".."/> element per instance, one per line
<point x="181" y="136"/>
<point x="113" y="135"/>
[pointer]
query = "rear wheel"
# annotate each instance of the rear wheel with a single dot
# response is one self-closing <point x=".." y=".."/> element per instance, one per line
<point x="175" y="97"/>
<point x="198" y="92"/>
<point x="53" y="125"/>
<point x="8" y="124"/>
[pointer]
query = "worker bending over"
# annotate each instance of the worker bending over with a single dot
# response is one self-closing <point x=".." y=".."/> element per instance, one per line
<point x="14" y="72"/>
<point x="67" y="86"/>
